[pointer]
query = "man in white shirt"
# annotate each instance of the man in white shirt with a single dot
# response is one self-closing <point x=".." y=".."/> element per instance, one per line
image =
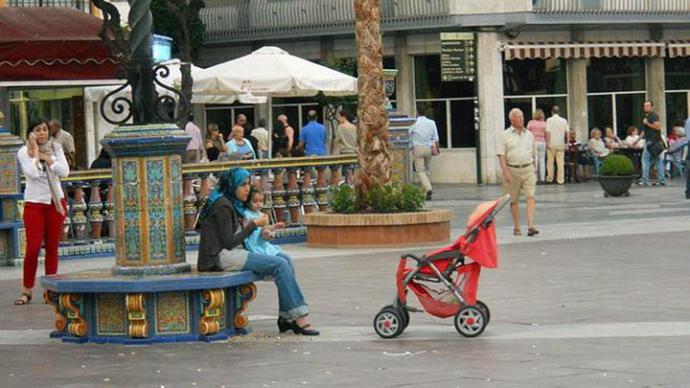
<point x="517" y="154"/>
<point x="64" y="138"/>
<point x="556" y="133"/>
<point x="261" y="135"/>
<point x="195" y="147"/>
<point x="424" y="136"/>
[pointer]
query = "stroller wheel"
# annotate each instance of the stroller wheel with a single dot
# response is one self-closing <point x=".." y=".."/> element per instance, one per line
<point x="404" y="315"/>
<point x="388" y="323"/>
<point x="485" y="309"/>
<point x="470" y="321"/>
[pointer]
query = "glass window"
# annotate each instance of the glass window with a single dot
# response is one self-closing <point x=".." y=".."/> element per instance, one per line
<point x="222" y="117"/>
<point x="615" y="75"/>
<point x="676" y="108"/>
<point x="677" y="73"/>
<point x="534" y="76"/>
<point x="546" y="103"/>
<point x="428" y="85"/>
<point x="600" y="109"/>
<point x="628" y="112"/>
<point x="462" y="124"/>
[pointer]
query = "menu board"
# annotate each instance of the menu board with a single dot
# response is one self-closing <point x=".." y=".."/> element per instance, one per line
<point x="457" y="56"/>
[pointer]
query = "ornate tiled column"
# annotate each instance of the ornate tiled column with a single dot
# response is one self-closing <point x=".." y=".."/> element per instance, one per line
<point x="10" y="193"/>
<point x="147" y="172"/>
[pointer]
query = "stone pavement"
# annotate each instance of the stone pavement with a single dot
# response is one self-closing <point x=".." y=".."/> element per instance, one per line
<point x="599" y="298"/>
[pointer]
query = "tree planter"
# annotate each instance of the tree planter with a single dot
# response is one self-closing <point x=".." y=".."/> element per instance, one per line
<point x="330" y="230"/>
<point x="616" y="185"/>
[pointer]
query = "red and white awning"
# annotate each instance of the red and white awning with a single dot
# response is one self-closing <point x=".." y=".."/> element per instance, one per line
<point x="538" y="50"/>
<point x="678" y="48"/>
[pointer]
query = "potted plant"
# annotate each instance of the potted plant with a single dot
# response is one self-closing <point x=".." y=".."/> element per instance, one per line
<point x="616" y="175"/>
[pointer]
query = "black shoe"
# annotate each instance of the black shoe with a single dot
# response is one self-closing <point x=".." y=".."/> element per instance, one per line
<point x="428" y="195"/>
<point x="284" y="325"/>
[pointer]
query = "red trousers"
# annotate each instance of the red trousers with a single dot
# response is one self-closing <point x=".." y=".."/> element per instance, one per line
<point x="43" y="224"/>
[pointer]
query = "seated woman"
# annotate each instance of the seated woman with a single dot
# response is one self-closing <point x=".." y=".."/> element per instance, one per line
<point x="611" y="141"/>
<point x="634" y="140"/>
<point x="597" y="149"/>
<point x="239" y="148"/>
<point x="223" y="231"/>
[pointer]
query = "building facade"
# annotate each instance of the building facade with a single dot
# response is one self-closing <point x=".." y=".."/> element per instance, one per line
<point x="597" y="59"/>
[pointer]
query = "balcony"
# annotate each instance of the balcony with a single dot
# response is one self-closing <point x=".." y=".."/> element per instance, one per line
<point x="612" y="6"/>
<point x="237" y="20"/>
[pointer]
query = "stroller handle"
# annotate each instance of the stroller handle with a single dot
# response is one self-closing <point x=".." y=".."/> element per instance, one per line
<point x="501" y="204"/>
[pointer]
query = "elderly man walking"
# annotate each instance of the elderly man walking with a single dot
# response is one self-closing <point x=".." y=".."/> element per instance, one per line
<point x="556" y="138"/>
<point x="517" y="152"/>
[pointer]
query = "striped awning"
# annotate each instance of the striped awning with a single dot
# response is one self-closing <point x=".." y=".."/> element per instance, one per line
<point x="537" y="50"/>
<point x="678" y="49"/>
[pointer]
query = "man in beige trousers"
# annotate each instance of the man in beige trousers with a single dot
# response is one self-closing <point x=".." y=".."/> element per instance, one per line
<point x="556" y="132"/>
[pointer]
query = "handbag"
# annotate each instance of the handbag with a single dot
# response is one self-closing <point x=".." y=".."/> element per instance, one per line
<point x="655" y="148"/>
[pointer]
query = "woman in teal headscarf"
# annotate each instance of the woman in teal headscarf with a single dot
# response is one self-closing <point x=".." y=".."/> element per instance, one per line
<point x="221" y="248"/>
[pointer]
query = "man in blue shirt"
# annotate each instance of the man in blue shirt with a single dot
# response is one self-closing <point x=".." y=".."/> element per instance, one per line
<point x="312" y="137"/>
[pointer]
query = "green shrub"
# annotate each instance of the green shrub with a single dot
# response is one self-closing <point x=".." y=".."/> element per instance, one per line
<point x="615" y="165"/>
<point x="389" y="198"/>
<point x="344" y="199"/>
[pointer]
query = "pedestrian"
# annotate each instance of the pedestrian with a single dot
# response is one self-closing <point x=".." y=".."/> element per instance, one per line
<point x="312" y="137"/>
<point x="240" y="122"/>
<point x="43" y="163"/>
<point x="556" y="132"/>
<point x="538" y="128"/>
<point x="345" y="142"/>
<point x="517" y="152"/>
<point x="284" y="138"/>
<point x="223" y="231"/>
<point x="654" y="145"/>
<point x="260" y="133"/>
<point x="63" y="138"/>
<point x="240" y="148"/>
<point x="424" y="142"/>
<point x="195" y="148"/>
<point x="214" y="144"/>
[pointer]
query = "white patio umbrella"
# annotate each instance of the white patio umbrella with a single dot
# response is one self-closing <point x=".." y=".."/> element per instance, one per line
<point x="265" y="73"/>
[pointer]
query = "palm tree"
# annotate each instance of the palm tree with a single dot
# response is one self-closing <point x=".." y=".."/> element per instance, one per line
<point x="374" y="156"/>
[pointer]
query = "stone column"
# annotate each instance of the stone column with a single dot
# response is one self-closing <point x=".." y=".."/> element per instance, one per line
<point x="656" y="88"/>
<point x="404" y="82"/>
<point x="491" y="104"/>
<point x="578" y="116"/>
<point x="147" y="174"/>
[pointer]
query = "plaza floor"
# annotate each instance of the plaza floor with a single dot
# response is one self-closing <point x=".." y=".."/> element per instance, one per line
<point x="598" y="299"/>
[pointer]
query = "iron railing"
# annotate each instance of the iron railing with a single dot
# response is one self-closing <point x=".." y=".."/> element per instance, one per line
<point x="252" y="19"/>
<point x="612" y="6"/>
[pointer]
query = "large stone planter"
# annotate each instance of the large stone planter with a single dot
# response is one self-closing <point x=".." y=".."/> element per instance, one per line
<point x="330" y="230"/>
<point x="616" y="186"/>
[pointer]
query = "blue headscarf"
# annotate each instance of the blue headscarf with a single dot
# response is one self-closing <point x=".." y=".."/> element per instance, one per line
<point x="227" y="185"/>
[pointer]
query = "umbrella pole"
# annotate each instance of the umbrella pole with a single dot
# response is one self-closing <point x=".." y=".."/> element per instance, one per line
<point x="269" y="101"/>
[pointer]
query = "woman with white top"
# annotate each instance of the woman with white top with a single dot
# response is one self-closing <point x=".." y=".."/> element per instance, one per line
<point x="43" y="163"/>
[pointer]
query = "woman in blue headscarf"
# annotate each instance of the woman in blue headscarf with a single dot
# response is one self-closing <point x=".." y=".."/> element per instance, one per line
<point x="221" y="248"/>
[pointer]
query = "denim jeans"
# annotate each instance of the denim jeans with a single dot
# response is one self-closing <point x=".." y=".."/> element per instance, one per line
<point x="647" y="159"/>
<point x="291" y="303"/>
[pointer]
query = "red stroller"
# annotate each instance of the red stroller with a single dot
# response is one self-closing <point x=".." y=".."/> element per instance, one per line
<point x="445" y="281"/>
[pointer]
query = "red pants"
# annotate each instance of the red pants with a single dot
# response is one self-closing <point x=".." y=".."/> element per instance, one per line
<point x="42" y="223"/>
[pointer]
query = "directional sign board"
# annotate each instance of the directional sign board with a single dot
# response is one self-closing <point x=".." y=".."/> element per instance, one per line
<point x="457" y="56"/>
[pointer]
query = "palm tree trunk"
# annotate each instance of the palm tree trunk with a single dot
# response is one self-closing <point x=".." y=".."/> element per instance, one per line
<point x="372" y="128"/>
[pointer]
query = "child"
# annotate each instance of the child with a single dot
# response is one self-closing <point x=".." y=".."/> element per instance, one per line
<point x="258" y="241"/>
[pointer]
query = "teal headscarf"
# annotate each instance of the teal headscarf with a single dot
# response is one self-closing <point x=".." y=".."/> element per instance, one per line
<point x="227" y="185"/>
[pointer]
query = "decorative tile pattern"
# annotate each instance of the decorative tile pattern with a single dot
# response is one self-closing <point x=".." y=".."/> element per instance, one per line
<point x="172" y="312"/>
<point x="4" y="248"/>
<point x="111" y="314"/>
<point x="131" y="209"/>
<point x="176" y="203"/>
<point x="8" y="174"/>
<point x="156" y="202"/>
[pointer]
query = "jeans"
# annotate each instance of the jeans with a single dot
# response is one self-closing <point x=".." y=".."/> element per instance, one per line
<point x="647" y="159"/>
<point x="291" y="303"/>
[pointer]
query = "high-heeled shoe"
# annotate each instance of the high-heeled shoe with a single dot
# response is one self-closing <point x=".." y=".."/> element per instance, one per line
<point x="285" y="325"/>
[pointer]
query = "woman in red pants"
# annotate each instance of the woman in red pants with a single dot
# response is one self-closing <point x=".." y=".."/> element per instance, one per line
<point x="43" y="163"/>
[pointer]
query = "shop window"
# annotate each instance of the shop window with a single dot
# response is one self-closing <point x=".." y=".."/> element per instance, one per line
<point x="677" y="73"/>
<point x="615" y="75"/>
<point x="534" y="76"/>
<point x="600" y="111"/>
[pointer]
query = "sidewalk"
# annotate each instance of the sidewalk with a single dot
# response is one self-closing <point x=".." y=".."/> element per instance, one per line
<point x="597" y="299"/>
